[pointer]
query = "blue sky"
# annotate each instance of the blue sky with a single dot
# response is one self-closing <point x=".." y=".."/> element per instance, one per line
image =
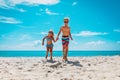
<point x="95" y="24"/>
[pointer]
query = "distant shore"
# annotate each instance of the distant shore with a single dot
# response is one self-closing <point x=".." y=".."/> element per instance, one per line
<point x="77" y="68"/>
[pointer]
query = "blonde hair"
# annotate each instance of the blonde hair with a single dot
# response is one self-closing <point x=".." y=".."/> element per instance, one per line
<point x="51" y="32"/>
<point x="66" y="18"/>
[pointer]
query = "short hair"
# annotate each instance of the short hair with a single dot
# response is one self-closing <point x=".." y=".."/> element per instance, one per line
<point x="50" y="31"/>
<point x="66" y="20"/>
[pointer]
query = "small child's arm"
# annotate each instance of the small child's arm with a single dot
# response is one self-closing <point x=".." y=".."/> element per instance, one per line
<point x="43" y="40"/>
<point x="54" y="39"/>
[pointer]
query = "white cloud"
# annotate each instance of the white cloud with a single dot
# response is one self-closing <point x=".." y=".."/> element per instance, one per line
<point x="74" y="42"/>
<point x="29" y="45"/>
<point x="37" y="43"/>
<point x="43" y="33"/>
<point x="21" y="10"/>
<point x="47" y="11"/>
<point x="25" y="45"/>
<point x="7" y="5"/>
<point x="40" y="12"/>
<point x="116" y="30"/>
<point x="3" y="4"/>
<point x="24" y="37"/>
<point x="11" y="3"/>
<point x="74" y="45"/>
<point x="9" y="20"/>
<point x="118" y="42"/>
<point x="8" y="37"/>
<point x="99" y="42"/>
<point x="41" y="9"/>
<point x="32" y="45"/>
<point x="13" y="8"/>
<point x="90" y="33"/>
<point x="74" y="3"/>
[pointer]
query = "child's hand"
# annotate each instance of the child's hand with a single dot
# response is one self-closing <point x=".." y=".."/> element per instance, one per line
<point x="56" y="38"/>
<point x="42" y="44"/>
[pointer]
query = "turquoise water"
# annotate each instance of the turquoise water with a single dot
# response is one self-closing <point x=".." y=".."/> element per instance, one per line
<point x="57" y="53"/>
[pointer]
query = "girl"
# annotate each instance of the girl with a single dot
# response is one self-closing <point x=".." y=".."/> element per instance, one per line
<point x="49" y="45"/>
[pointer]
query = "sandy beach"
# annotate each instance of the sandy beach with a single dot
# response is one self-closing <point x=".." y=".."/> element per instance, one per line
<point x="77" y="68"/>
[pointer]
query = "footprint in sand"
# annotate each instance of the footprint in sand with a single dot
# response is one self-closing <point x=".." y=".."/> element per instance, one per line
<point x="58" y="72"/>
<point x="38" y="62"/>
<point x="29" y="70"/>
<point x="35" y="64"/>
<point x="49" y="71"/>
<point x="7" y="63"/>
<point x="55" y="65"/>
<point x="43" y="61"/>
<point x="20" y="68"/>
<point x="66" y="79"/>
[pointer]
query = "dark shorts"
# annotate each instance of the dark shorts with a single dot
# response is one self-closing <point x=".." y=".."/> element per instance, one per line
<point x="65" y="41"/>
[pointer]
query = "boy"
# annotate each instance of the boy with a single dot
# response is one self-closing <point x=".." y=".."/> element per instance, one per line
<point x="65" y="37"/>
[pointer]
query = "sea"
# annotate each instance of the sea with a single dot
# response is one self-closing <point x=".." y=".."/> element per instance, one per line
<point x="57" y="53"/>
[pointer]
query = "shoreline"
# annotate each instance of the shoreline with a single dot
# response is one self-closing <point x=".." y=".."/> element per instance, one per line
<point x="56" y="56"/>
<point x="77" y="68"/>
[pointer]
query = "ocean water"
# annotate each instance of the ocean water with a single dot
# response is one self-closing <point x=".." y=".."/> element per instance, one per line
<point x="57" y="53"/>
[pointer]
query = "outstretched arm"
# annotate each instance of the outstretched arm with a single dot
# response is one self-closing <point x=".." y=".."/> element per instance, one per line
<point x="58" y="34"/>
<point x="53" y="39"/>
<point x="43" y="40"/>
<point x="71" y="36"/>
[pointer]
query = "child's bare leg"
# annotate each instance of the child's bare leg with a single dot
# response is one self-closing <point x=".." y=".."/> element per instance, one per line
<point x="47" y="53"/>
<point x="66" y="52"/>
<point x="51" y="53"/>
<point x="63" y="52"/>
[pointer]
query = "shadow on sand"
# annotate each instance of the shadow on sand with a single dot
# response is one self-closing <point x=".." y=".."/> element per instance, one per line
<point x="75" y="63"/>
<point x="61" y="64"/>
<point x="51" y="61"/>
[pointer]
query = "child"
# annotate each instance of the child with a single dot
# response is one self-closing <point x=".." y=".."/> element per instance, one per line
<point x="66" y="36"/>
<point x="49" y="45"/>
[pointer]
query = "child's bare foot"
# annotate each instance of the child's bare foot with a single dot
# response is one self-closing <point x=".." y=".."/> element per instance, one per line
<point x="63" y="60"/>
<point x="63" y="57"/>
<point x="51" y="58"/>
<point x="46" y="56"/>
<point x="66" y="58"/>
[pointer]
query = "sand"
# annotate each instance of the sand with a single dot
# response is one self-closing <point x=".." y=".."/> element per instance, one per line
<point x="77" y="68"/>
